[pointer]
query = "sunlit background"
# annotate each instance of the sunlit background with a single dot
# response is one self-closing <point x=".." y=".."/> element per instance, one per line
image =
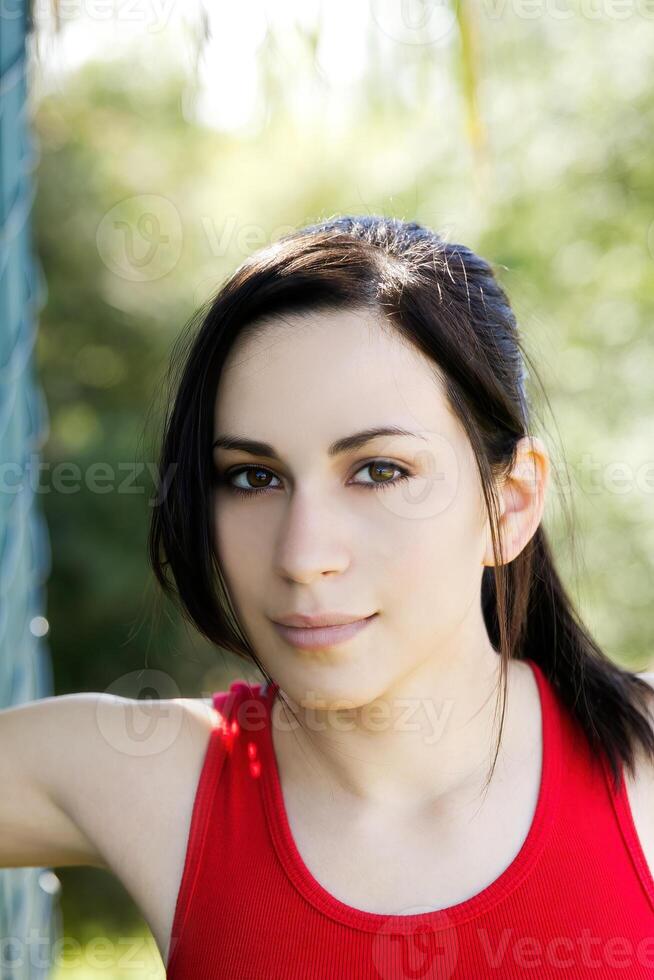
<point x="176" y="139"/>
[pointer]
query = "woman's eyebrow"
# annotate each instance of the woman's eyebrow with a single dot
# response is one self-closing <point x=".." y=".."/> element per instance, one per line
<point x="343" y="445"/>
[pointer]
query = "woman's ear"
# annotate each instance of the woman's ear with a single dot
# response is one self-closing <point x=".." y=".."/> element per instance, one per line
<point x="521" y="499"/>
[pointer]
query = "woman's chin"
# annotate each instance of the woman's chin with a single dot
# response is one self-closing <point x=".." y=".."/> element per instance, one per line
<point x="333" y="689"/>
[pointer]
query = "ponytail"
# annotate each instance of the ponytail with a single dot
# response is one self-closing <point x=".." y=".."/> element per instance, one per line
<point x="608" y="702"/>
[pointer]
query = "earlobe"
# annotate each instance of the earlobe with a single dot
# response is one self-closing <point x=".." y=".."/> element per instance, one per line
<point x="508" y="540"/>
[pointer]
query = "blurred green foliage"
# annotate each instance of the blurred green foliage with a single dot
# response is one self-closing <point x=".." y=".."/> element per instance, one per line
<point x="95" y="952"/>
<point x="562" y="202"/>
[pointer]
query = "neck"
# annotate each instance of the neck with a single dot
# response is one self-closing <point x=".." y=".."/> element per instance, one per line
<point x="420" y="744"/>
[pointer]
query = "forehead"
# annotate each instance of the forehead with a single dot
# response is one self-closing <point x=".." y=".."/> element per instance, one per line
<point x="327" y="373"/>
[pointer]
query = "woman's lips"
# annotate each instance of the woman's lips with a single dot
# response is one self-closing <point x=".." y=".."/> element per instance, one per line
<point x="321" y="636"/>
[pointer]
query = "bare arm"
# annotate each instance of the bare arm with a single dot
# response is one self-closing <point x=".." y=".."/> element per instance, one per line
<point x="85" y="775"/>
<point x="37" y="751"/>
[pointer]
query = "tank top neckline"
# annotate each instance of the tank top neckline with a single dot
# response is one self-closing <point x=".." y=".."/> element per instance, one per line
<point x="446" y="918"/>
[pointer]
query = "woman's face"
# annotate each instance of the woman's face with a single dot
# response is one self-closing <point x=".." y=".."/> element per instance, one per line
<point x="328" y="532"/>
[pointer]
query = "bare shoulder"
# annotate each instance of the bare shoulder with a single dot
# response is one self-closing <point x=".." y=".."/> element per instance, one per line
<point x="158" y="753"/>
<point x="640" y="791"/>
<point x="132" y="788"/>
<point x="78" y="764"/>
<point x="120" y="759"/>
<point x="109" y="781"/>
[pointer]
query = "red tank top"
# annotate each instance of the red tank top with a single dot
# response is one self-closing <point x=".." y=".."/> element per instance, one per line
<point x="576" y="901"/>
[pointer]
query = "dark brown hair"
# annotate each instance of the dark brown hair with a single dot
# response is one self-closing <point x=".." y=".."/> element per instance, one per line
<point x="446" y="301"/>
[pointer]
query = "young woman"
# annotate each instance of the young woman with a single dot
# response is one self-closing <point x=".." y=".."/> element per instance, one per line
<point x="441" y="773"/>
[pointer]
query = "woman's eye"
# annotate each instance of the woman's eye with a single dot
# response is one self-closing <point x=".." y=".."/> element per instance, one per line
<point x="255" y="479"/>
<point x="381" y="468"/>
<point x="256" y="475"/>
